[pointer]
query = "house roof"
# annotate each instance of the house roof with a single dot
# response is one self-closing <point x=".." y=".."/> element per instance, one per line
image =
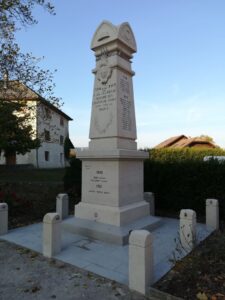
<point x="182" y="141"/>
<point x="17" y="90"/>
<point x="171" y="141"/>
<point x="192" y="141"/>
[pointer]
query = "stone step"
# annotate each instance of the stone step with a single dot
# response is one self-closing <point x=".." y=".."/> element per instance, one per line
<point x="109" y="233"/>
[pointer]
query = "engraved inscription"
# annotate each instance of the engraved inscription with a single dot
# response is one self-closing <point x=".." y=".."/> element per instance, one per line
<point x="99" y="182"/>
<point x="104" y="99"/>
<point x="104" y="96"/>
<point x="125" y="103"/>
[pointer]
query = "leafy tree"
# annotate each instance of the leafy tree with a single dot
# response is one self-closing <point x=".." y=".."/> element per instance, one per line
<point x="14" y="15"/>
<point x="67" y="146"/>
<point x="16" y="135"/>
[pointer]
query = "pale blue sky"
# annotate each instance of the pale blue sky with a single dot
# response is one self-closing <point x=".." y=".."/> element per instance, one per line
<point x="179" y="86"/>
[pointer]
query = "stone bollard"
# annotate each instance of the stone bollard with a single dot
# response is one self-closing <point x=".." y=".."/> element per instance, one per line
<point x="51" y="234"/>
<point x="3" y="218"/>
<point x="140" y="260"/>
<point x="188" y="229"/>
<point x="150" y="198"/>
<point x="62" y="205"/>
<point x="212" y="213"/>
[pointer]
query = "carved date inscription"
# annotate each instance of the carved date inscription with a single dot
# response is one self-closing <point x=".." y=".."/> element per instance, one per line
<point x="99" y="182"/>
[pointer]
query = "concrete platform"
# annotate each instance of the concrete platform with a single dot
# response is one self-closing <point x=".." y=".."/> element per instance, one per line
<point x="108" y="260"/>
<point x="109" y="233"/>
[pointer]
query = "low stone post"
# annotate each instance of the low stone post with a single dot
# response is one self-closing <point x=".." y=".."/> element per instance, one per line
<point x="51" y="234"/>
<point x="212" y="214"/>
<point x="188" y="229"/>
<point x="3" y="218"/>
<point x="150" y="198"/>
<point x="140" y="260"/>
<point x="62" y="205"/>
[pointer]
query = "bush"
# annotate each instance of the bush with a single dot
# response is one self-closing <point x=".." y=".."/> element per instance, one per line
<point x="72" y="180"/>
<point x="181" y="179"/>
<point x="29" y="201"/>
<point x="184" y="154"/>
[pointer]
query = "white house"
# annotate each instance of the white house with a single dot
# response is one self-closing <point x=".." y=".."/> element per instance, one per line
<point x="50" y="125"/>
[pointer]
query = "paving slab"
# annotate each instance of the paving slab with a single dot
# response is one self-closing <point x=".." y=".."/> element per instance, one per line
<point x="109" y="260"/>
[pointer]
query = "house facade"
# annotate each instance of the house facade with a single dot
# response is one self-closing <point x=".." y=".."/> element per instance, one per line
<point x="49" y="124"/>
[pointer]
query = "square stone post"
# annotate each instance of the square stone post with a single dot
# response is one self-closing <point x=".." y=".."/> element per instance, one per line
<point x="3" y="218"/>
<point x="51" y="234"/>
<point x="212" y="214"/>
<point x="62" y="205"/>
<point x="140" y="260"/>
<point x="188" y="229"/>
<point x="150" y="198"/>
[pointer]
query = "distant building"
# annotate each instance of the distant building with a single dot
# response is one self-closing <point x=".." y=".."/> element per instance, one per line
<point x="182" y="141"/>
<point x="50" y="125"/>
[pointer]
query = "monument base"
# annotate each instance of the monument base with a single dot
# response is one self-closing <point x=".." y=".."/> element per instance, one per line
<point x="109" y="233"/>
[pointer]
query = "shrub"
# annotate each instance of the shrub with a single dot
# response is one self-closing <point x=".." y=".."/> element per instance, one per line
<point x="72" y="180"/>
<point x="181" y="179"/>
<point x="184" y="154"/>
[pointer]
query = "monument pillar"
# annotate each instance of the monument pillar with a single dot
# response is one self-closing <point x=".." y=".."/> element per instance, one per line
<point x="112" y="169"/>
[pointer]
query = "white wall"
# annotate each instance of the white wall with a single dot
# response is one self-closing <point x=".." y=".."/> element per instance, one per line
<point x="46" y="120"/>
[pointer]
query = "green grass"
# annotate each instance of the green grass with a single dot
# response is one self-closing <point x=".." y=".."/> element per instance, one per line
<point x="31" y="175"/>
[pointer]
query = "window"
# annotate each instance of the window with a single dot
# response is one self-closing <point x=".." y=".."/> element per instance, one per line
<point x="47" y="135"/>
<point x="61" y="121"/>
<point x="61" y="158"/>
<point x="47" y="113"/>
<point x="61" y="140"/>
<point x="46" y="155"/>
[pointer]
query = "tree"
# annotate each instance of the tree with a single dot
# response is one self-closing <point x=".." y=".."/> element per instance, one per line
<point x="14" y="15"/>
<point x="16" y="134"/>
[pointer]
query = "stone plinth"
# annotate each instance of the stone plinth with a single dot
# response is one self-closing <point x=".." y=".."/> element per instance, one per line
<point x="140" y="260"/>
<point x="112" y="168"/>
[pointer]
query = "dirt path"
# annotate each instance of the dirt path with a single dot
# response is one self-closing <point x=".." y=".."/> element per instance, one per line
<point x="27" y="275"/>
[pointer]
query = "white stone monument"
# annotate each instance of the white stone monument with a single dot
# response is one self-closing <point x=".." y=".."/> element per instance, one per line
<point x="112" y="168"/>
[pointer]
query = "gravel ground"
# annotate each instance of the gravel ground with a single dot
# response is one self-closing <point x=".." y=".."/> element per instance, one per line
<point x="25" y="274"/>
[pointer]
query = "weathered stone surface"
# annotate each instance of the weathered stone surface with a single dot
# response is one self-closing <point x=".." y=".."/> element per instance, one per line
<point x="3" y="218"/>
<point x="188" y="228"/>
<point x="62" y="205"/>
<point x="51" y="234"/>
<point x="112" y="168"/>
<point x="149" y="197"/>
<point x="140" y="260"/>
<point x="212" y="213"/>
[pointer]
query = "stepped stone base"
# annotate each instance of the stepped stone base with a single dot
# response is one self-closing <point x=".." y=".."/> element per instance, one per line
<point x="109" y="233"/>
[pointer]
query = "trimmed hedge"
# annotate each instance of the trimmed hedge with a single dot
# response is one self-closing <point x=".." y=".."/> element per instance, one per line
<point x="72" y="179"/>
<point x="181" y="179"/>
<point x="185" y="154"/>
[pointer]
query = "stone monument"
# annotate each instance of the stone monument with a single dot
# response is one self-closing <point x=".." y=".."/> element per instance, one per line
<point x="112" y="169"/>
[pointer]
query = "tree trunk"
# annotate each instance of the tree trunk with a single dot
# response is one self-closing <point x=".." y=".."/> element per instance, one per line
<point x="10" y="159"/>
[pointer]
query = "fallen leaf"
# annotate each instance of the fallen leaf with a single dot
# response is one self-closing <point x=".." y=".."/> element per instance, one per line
<point x="201" y="296"/>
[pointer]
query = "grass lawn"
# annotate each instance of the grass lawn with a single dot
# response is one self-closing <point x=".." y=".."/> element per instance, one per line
<point x="31" y="175"/>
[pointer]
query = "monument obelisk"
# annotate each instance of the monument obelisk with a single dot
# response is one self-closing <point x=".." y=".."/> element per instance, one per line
<point x="112" y="169"/>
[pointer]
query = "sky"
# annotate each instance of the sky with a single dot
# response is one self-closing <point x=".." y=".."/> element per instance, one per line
<point x="179" y="82"/>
